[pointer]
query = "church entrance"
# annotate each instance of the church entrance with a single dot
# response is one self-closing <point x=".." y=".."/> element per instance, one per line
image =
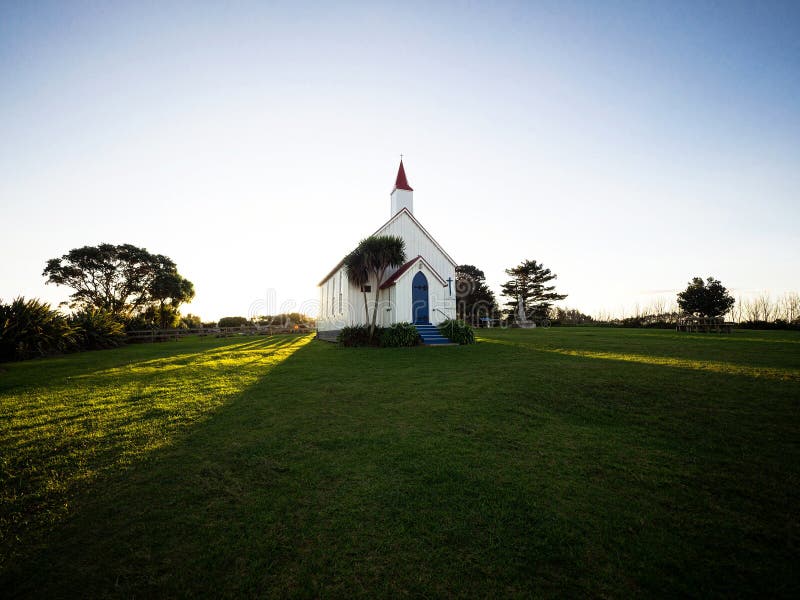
<point x="419" y="298"/>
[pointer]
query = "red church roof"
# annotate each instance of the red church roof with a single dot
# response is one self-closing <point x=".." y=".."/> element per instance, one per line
<point x="402" y="183"/>
<point x="396" y="275"/>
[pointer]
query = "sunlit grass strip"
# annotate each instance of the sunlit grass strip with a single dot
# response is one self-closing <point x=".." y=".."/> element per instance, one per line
<point x="715" y="338"/>
<point x="63" y="434"/>
<point x="667" y="361"/>
<point x="683" y="363"/>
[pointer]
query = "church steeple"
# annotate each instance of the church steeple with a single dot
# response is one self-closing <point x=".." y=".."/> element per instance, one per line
<point x="402" y="183"/>
<point x="402" y="194"/>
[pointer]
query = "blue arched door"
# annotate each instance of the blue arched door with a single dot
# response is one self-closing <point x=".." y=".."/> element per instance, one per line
<point x="419" y="298"/>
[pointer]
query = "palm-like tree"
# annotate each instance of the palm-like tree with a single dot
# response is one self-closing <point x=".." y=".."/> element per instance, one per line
<point x="358" y="273"/>
<point x="374" y="256"/>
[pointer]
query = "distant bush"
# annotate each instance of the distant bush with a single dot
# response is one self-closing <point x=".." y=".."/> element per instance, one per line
<point x="97" y="329"/>
<point x="233" y="321"/>
<point x="286" y="320"/>
<point x="191" y="321"/>
<point x="457" y="331"/>
<point x="776" y="325"/>
<point x="138" y="323"/>
<point x="400" y="335"/>
<point x="30" y="328"/>
<point x="647" y="322"/>
<point x="358" y="335"/>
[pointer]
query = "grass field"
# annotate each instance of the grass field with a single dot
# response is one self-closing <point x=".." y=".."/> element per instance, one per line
<point x="547" y="462"/>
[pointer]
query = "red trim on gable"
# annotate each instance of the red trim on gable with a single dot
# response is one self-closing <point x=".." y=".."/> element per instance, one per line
<point x="399" y="273"/>
<point x="396" y="275"/>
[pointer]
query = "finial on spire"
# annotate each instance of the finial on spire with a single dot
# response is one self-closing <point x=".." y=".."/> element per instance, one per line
<point x="401" y="183"/>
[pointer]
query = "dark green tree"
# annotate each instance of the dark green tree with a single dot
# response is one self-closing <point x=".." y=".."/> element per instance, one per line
<point x="233" y="322"/>
<point x="474" y="299"/>
<point x="168" y="291"/>
<point x="191" y="321"/>
<point x="530" y="281"/>
<point x="705" y="298"/>
<point x="120" y="279"/>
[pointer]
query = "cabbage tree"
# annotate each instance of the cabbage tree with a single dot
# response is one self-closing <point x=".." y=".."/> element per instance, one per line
<point x="372" y="258"/>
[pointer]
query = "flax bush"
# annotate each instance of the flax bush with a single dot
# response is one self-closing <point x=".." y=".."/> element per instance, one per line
<point x="457" y="331"/>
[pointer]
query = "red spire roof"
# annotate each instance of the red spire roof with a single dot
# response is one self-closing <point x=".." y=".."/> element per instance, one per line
<point x="402" y="183"/>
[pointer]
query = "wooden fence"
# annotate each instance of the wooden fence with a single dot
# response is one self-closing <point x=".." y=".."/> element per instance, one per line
<point x="703" y="325"/>
<point x="162" y="335"/>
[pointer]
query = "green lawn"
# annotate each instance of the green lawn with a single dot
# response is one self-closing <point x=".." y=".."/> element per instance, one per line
<point x="544" y="462"/>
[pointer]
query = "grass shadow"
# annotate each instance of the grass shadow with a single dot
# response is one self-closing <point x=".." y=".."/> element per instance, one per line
<point x="62" y="440"/>
<point x="489" y="470"/>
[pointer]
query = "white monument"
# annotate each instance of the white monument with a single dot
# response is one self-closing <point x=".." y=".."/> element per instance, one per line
<point x="522" y="318"/>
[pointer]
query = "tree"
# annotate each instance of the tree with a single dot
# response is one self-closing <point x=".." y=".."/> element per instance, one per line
<point x="570" y="316"/>
<point x="529" y="283"/>
<point x="121" y="279"/>
<point x="473" y="297"/>
<point x="383" y="252"/>
<point x="191" y="321"/>
<point x="169" y="291"/>
<point x="357" y="270"/>
<point x="791" y="306"/>
<point x="705" y="299"/>
<point x="372" y="258"/>
<point x="285" y="320"/>
<point x="233" y="322"/>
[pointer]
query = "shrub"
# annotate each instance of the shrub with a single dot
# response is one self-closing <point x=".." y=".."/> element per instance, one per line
<point x="358" y="335"/>
<point x="400" y="335"/>
<point x="233" y="321"/>
<point x="457" y="331"/>
<point x="164" y="316"/>
<point x="97" y="329"/>
<point x="778" y="324"/>
<point x="191" y="321"/>
<point x="139" y="322"/>
<point x="30" y="328"/>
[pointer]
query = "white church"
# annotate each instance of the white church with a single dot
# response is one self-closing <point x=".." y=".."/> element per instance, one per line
<point x="421" y="291"/>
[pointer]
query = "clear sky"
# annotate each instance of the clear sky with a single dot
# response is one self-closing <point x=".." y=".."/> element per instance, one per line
<point x="626" y="145"/>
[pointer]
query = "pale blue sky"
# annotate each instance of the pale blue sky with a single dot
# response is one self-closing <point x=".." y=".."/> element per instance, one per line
<point x="256" y="143"/>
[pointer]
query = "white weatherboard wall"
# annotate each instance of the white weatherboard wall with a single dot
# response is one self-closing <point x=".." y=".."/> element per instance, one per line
<point x="442" y="305"/>
<point x="402" y="199"/>
<point x="342" y="304"/>
<point x="339" y="302"/>
<point x="395" y="302"/>
<point x="418" y="243"/>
